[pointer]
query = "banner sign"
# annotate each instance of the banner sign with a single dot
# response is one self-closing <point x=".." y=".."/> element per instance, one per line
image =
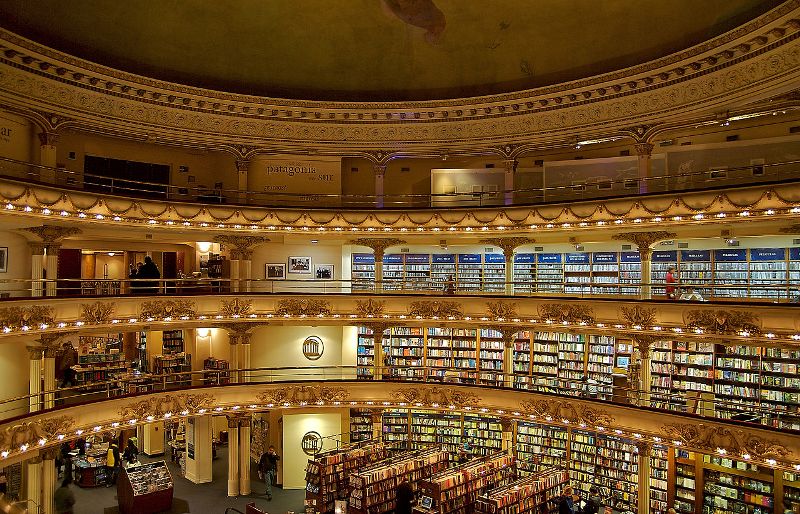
<point x="630" y="257"/>
<point x="730" y="255"/>
<point x="767" y="254"/>
<point x="552" y="258"/>
<point x="577" y="258"/>
<point x="665" y="256"/>
<point x="444" y="258"/>
<point x="525" y="258"/>
<point x="696" y="255"/>
<point x="469" y="258"/>
<point x="604" y="257"/>
<point x="494" y="258"/>
<point x="363" y="258"/>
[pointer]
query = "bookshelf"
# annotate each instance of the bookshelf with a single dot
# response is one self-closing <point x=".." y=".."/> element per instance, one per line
<point x="730" y="269"/>
<point x="490" y="357"/>
<point x="549" y="272"/>
<point x="695" y="268"/>
<point x="659" y="478"/>
<point x="395" y="426"/>
<point x="470" y="272"/>
<point x="416" y="272"/>
<point x="405" y="353"/>
<point x="521" y="360"/>
<point x="484" y="434"/>
<point x="535" y="494"/>
<point x="791" y="490"/>
<point x="768" y="273"/>
<point x="583" y="459"/>
<point x="544" y="359"/>
<point x="685" y="481"/>
<point x="443" y="267"/>
<point x="524" y="273"/>
<point x="539" y="447"/>
<point x="373" y="488"/>
<point x="794" y="273"/>
<point x="617" y="471"/>
<point x="455" y="490"/>
<point x="219" y="371"/>
<point x="600" y="364"/>
<point x="99" y="359"/>
<point x="571" y="361"/>
<point x="577" y="273"/>
<point x="365" y="352"/>
<point x="362" y="271"/>
<point x="328" y="474"/>
<point x="630" y="272"/>
<point x="465" y="353"/>
<point x="605" y="273"/>
<point x="736" y="379"/>
<point x="660" y="262"/>
<point x="174" y="360"/>
<point x="430" y="427"/>
<point x="735" y="486"/>
<point x="494" y="273"/>
<point x="361" y="425"/>
<point x="393" y="272"/>
<point x="439" y="351"/>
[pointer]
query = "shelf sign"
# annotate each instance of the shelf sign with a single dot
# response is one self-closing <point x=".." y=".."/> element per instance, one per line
<point x="767" y="254"/>
<point x="524" y="258"/>
<point x="725" y="255"/>
<point x="552" y="258"/>
<point x="393" y="258"/>
<point x="469" y="258"/>
<point x="418" y="258"/>
<point x="630" y="257"/>
<point x="363" y="258"/>
<point x="444" y="258"/>
<point x="794" y="254"/>
<point x="577" y="258"/>
<point x="604" y="257"/>
<point x="494" y="258"/>
<point x="665" y="256"/>
<point x="696" y="255"/>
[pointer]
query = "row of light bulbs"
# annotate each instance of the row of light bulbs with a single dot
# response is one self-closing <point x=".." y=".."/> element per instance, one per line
<point x="746" y="213"/>
<point x="633" y="436"/>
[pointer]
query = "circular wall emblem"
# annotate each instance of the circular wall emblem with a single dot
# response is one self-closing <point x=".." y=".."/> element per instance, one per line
<point x="311" y="443"/>
<point x="313" y="348"/>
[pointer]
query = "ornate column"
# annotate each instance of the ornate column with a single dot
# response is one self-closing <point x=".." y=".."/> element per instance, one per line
<point x="51" y="265"/>
<point x="644" y="242"/>
<point x="241" y="254"/>
<point x="378" y="246"/>
<point x="47" y="155"/>
<point x="234" y="284"/>
<point x="242" y="171"/>
<point x="511" y="170"/>
<point x="35" y="354"/>
<point x="49" y="480"/>
<point x="233" y="456"/>
<point x="644" y="151"/>
<point x="233" y="339"/>
<point x="643" y="494"/>
<point x="37" y="269"/>
<point x="50" y="237"/>
<point x="377" y="328"/>
<point x="645" y="376"/>
<point x="49" y="373"/>
<point x="244" y="343"/>
<point x="380" y="172"/>
<point x="33" y="479"/>
<point x="509" y="244"/>
<point x="244" y="455"/>
<point x="245" y="270"/>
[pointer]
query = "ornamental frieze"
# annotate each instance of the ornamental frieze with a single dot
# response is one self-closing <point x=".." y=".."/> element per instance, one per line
<point x="236" y="308"/>
<point x="32" y="316"/>
<point x="570" y="410"/>
<point x="566" y="312"/>
<point x="303" y="307"/>
<point x="436" y="395"/>
<point x="97" y="312"/>
<point x="33" y="432"/>
<point x="732" y="441"/>
<point x="157" y="406"/>
<point x="723" y="321"/>
<point x="370" y="308"/>
<point x="303" y="394"/>
<point x="162" y="309"/>
<point x="435" y="309"/>
<point x="499" y="310"/>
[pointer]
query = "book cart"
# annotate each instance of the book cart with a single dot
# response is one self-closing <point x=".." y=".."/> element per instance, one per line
<point x="534" y="494"/>
<point x="456" y="490"/>
<point x="373" y="488"/>
<point x="328" y="474"/>
<point x="145" y="489"/>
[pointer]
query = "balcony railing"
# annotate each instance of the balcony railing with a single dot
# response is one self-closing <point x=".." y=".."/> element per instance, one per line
<point x="612" y="188"/>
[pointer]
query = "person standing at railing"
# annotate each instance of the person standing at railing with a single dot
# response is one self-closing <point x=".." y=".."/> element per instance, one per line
<point x="68" y="359"/>
<point x="672" y="283"/>
<point x="149" y="270"/>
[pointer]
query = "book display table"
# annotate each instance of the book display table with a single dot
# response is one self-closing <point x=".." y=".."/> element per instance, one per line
<point x="145" y="489"/>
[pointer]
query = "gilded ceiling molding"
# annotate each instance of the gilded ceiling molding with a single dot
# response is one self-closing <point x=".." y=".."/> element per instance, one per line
<point x="638" y="318"/>
<point x="158" y="405"/>
<point x="508" y="244"/>
<point x="97" y="312"/>
<point x="241" y="246"/>
<point x="378" y="244"/>
<point x="712" y="438"/>
<point x="236" y="308"/>
<point x="644" y="240"/>
<point x="791" y="229"/>
<point x="51" y="234"/>
<point x="436" y="396"/>
<point x="241" y="330"/>
<point x="164" y="309"/>
<point x="370" y="308"/>
<point x="27" y="316"/>
<point x="300" y="394"/>
<point x="501" y="311"/>
<point x="723" y="321"/>
<point x="569" y="312"/>
<point x="432" y="309"/>
<point x="569" y="410"/>
<point x="32" y="433"/>
<point x="303" y="307"/>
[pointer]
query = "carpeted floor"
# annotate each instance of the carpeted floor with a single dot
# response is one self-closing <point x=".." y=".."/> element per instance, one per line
<point x="193" y="498"/>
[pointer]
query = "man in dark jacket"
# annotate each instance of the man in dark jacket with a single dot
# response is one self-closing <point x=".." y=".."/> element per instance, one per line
<point x="566" y="504"/>
<point x="149" y="270"/>
<point x="404" y="497"/>
<point x="593" y="504"/>
<point x="268" y="468"/>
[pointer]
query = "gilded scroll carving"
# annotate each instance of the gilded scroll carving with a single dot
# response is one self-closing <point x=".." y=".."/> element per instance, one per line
<point x="241" y="246"/>
<point x="159" y="405"/>
<point x="571" y="411"/>
<point x="50" y="234"/>
<point x="508" y="244"/>
<point x="370" y="308"/>
<point x="435" y="309"/>
<point x="644" y="240"/>
<point x="236" y="308"/>
<point x="32" y="432"/>
<point x="303" y="307"/>
<point x="499" y="311"/>
<point x="32" y="316"/>
<point x="436" y="395"/>
<point x="717" y="437"/>
<point x="637" y="315"/>
<point x="162" y="309"/>
<point x="300" y="394"/>
<point x="378" y="244"/>
<point x="97" y="312"/>
<point x="571" y="313"/>
<point x="723" y="321"/>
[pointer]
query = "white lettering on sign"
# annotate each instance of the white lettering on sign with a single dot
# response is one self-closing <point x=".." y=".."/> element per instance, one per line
<point x="313" y="180"/>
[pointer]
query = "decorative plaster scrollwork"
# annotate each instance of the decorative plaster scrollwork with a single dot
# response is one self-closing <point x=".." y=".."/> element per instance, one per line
<point x="303" y="307"/>
<point x="97" y="312"/>
<point x="500" y="310"/>
<point x="637" y="315"/>
<point x="34" y="315"/>
<point x="436" y="395"/>
<point x="569" y="410"/>
<point x="435" y="309"/>
<point x="50" y="234"/>
<point x="561" y="312"/>
<point x="370" y="308"/>
<point x="159" y="405"/>
<point x="161" y="309"/>
<point x="723" y="321"/>
<point x="299" y="394"/>
<point x="31" y="432"/>
<point x="644" y="240"/>
<point x="508" y="244"/>
<point x="713" y="437"/>
<point x="236" y="308"/>
<point x="241" y="246"/>
<point x="378" y="244"/>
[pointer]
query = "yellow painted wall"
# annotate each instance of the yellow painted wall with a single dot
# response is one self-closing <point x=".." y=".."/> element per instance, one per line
<point x="15" y="370"/>
<point x="18" y="263"/>
<point x="16" y="141"/>
<point x="295" y="426"/>
<point x="296" y="246"/>
<point x="273" y="346"/>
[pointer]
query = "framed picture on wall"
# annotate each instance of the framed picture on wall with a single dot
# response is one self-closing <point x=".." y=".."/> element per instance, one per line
<point x="323" y="271"/>
<point x="299" y="264"/>
<point x="3" y="259"/>
<point x="275" y="271"/>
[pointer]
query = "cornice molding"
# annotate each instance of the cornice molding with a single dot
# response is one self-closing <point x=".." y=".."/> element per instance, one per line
<point x="756" y="59"/>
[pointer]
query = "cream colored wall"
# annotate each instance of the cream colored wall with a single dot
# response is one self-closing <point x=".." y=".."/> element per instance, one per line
<point x="215" y="345"/>
<point x="296" y="246"/>
<point x="116" y="266"/>
<point x="275" y="346"/>
<point x="18" y="263"/>
<point x="15" y="370"/>
<point x="16" y="142"/>
<point x="295" y="426"/>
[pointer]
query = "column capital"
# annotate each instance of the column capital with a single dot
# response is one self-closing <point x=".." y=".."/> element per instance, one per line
<point x="644" y="149"/>
<point x="239" y="420"/>
<point x="508" y="244"/>
<point x="378" y="244"/>
<point x="241" y="246"/>
<point x="510" y="165"/>
<point x="645" y="448"/>
<point x="48" y="138"/>
<point x="52" y="234"/>
<point x="379" y="169"/>
<point x="36" y="459"/>
<point x="50" y="453"/>
<point x="644" y="240"/>
<point x="242" y="165"/>
<point x="35" y="353"/>
<point x="36" y="247"/>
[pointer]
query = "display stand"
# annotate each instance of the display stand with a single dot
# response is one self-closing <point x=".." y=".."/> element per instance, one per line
<point x="145" y="489"/>
<point x="534" y="494"/>
<point x="90" y="474"/>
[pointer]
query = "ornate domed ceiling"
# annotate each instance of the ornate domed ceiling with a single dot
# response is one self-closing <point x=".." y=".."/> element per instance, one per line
<point x="373" y="49"/>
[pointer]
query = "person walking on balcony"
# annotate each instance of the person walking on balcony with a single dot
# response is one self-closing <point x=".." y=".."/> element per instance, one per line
<point x="149" y="270"/>
<point x="672" y="283"/>
<point x="68" y="359"/>
<point x="268" y="468"/>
